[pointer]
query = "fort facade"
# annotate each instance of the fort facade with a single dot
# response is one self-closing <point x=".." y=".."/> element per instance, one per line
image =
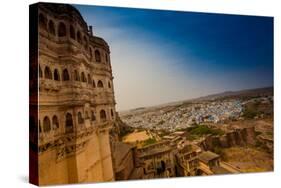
<point x="76" y="105"/>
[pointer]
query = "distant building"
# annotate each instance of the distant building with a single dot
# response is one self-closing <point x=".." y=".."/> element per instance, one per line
<point x="157" y="160"/>
<point x="209" y="164"/>
<point x="187" y="160"/>
<point x="125" y="162"/>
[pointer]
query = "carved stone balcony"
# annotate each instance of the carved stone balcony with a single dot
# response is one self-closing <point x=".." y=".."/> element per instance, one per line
<point x="66" y="144"/>
<point x="50" y="85"/>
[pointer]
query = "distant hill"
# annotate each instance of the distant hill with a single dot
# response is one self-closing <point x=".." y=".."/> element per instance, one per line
<point x="266" y="91"/>
<point x="242" y="94"/>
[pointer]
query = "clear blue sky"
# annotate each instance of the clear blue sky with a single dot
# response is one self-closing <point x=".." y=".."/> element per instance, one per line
<point x="163" y="56"/>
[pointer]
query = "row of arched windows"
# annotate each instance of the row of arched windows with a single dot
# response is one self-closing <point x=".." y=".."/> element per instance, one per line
<point x="65" y="77"/>
<point x="49" y="75"/>
<point x="49" y="26"/>
<point x="49" y="125"/>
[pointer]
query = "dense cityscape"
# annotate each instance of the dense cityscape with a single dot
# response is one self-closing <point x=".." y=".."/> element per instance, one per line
<point x="184" y="115"/>
<point x="220" y="135"/>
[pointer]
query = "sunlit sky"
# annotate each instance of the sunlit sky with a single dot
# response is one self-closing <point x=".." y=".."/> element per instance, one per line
<point x="164" y="56"/>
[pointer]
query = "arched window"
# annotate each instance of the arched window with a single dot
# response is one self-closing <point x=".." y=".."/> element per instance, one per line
<point x="65" y="75"/>
<point x="56" y="75"/>
<point x="80" y="118"/>
<point x="97" y="56"/>
<point x="94" y="84"/>
<point x="51" y="27"/>
<point x="83" y="78"/>
<point x="72" y="32"/>
<point x="76" y="76"/>
<point x="93" y="117"/>
<point x="40" y="72"/>
<point x="42" y="21"/>
<point x="89" y="79"/>
<point x="46" y="124"/>
<point x="55" y="122"/>
<point x="100" y="84"/>
<point x="102" y="115"/>
<point x="112" y="114"/>
<point x="109" y="85"/>
<point x="48" y="73"/>
<point x="62" y="30"/>
<point x="68" y="123"/>
<point x="106" y="58"/>
<point x="79" y="37"/>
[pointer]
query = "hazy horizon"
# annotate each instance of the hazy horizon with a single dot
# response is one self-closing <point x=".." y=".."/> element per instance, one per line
<point x="168" y="102"/>
<point x="159" y="57"/>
